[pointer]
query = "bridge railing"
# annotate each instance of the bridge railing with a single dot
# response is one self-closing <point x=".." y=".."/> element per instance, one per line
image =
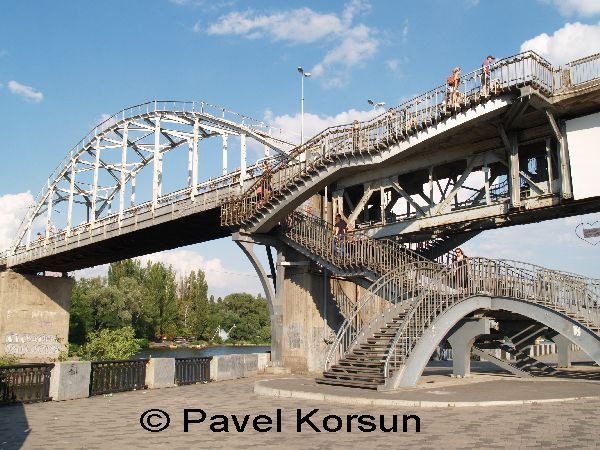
<point x="369" y="137"/>
<point x="575" y="296"/>
<point x="584" y="70"/>
<point x="25" y="383"/>
<point x="230" y="182"/>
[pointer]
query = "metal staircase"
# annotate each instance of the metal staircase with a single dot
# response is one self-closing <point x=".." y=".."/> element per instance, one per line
<point x="435" y="290"/>
<point x="308" y="166"/>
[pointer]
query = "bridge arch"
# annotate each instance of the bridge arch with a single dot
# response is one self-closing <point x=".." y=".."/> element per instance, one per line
<point x="104" y="165"/>
<point x="568" y="327"/>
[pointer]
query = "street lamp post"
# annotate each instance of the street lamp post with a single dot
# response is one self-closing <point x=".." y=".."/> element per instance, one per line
<point x="303" y="75"/>
<point x="375" y="104"/>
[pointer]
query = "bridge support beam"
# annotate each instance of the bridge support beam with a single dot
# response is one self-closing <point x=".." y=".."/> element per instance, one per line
<point x="563" y="350"/>
<point x="34" y="315"/>
<point x="462" y="339"/>
<point x="246" y="244"/>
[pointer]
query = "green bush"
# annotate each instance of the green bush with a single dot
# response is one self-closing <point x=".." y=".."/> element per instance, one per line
<point x="8" y="360"/>
<point x="110" y="344"/>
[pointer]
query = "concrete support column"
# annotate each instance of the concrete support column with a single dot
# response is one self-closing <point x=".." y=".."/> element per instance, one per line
<point x="160" y="373"/>
<point x="34" y="316"/>
<point x="306" y="326"/>
<point x="275" y="310"/>
<point x="461" y="339"/>
<point x="563" y="350"/>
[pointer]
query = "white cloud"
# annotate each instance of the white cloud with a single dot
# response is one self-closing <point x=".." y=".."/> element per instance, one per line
<point x="196" y="28"/>
<point x="298" y="25"/>
<point x="393" y="64"/>
<point x="572" y="7"/>
<point x="27" y="92"/>
<point x="573" y="41"/>
<point x="531" y="243"/>
<point x="314" y="123"/>
<point x="13" y="208"/>
<point x="221" y="280"/>
<point x="350" y="44"/>
<point x="405" y="32"/>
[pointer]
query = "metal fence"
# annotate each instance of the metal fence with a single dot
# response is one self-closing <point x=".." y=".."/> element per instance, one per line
<point x="192" y="370"/>
<point x="25" y="383"/>
<point x="118" y="376"/>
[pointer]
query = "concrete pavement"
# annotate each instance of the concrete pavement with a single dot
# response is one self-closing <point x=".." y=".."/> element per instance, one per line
<point x="114" y="422"/>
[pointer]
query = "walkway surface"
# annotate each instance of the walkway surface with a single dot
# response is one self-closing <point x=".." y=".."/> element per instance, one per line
<point x="114" y="421"/>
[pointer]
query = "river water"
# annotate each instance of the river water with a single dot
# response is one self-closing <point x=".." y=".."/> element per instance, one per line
<point x="194" y="352"/>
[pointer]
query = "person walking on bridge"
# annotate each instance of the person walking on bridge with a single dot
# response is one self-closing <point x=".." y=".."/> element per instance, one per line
<point x="486" y="72"/>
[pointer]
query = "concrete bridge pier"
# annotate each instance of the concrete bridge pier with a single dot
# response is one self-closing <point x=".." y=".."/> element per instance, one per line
<point x="462" y="338"/>
<point x="309" y="316"/>
<point x="563" y="350"/>
<point x="34" y="315"/>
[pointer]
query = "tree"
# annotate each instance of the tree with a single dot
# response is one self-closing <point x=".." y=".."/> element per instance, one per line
<point x="249" y="314"/>
<point x="110" y="344"/>
<point x="162" y="298"/>
<point x="194" y="312"/>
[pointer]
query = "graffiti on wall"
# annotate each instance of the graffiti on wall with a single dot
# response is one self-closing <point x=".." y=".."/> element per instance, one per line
<point x="31" y="343"/>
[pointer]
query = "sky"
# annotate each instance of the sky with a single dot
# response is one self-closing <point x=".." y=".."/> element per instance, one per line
<point x="64" y="66"/>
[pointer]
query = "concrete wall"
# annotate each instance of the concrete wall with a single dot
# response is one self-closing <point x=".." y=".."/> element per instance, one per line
<point x="230" y="367"/>
<point x="34" y="315"/>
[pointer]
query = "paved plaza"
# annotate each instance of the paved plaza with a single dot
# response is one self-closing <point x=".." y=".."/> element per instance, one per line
<point x="114" y="421"/>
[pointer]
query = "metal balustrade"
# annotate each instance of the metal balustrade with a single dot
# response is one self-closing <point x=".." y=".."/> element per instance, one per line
<point x="192" y="370"/>
<point x="396" y="124"/>
<point x="577" y="297"/>
<point x="434" y="288"/>
<point x="117" y="376"/>
<point x="25" y="383"/>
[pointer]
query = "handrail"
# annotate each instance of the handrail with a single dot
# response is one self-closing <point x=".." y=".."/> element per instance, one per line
<point x="352" y="251"/>
<point x="578" y="296"/>
<point x="367" y="137"/>
<point x="211" y="185"/>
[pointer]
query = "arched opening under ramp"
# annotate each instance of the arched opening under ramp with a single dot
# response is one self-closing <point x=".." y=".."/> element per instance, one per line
<point x="409" y="374"/>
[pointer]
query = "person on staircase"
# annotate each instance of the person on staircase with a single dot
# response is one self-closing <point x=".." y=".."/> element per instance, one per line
<point x="461" y="271"/>
<point x="340" y="227"/>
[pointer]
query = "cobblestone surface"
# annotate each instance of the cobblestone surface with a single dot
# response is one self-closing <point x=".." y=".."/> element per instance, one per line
<point x="114" y="422"/>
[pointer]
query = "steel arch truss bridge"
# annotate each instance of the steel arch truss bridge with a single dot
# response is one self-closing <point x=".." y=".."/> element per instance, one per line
<point x="116" y="177"/>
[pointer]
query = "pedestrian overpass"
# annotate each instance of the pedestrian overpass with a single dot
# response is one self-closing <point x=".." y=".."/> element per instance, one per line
<point x="412" y="183"/>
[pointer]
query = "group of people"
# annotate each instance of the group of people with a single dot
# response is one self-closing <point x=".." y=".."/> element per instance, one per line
<point x="454" y="96"/>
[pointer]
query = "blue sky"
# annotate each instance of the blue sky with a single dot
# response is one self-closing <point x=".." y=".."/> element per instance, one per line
<point x="63" y="65"/>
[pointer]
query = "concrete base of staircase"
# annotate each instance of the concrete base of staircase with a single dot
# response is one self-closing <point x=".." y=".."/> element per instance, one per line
<point x="437" y="389"/>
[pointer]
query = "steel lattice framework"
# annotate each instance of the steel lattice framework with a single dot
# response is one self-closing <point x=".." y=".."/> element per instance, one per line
<point x="107" y="165"/>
